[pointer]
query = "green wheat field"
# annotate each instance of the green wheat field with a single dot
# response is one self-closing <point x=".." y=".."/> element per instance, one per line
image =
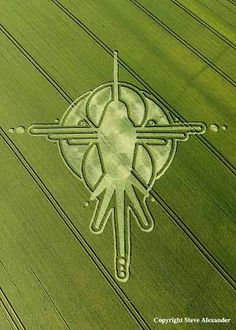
<point x="54" y="272"/>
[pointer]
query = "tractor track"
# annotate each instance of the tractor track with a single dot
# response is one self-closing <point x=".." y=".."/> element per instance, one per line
<point x="204" y="23"/>
<point x="186" y="44"/>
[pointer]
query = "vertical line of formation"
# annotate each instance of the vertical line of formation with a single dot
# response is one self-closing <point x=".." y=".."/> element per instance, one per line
<point x="116" y="96"/>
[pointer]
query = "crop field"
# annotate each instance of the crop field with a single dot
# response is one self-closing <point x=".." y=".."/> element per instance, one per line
<point x="55" y="273"/>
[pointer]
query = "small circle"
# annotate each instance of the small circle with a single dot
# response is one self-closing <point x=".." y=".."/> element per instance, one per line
<point x="57" y="120"/>
<point x="153" y="199"/>
<point x="224" y="128"/>
<point x="122" y="274"/>
<point x="214" y="128"/>
<point x="86" y="204"/>
<point x="122" y="261"/>
<point x="152" y="122"/>
<point x="20" y="130"/>
<point x="82" y="123"/>
<point x="11" y="130"/>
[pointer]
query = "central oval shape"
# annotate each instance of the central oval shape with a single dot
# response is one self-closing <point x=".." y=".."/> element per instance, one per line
<point x="117" y="137"/>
